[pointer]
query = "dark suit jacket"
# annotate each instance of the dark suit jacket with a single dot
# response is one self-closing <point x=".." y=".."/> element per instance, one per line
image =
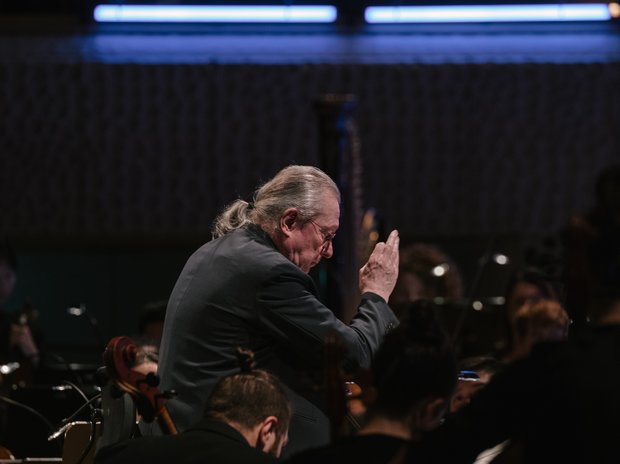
<point x="239" y="290"/>
<point x="209" y="441"/>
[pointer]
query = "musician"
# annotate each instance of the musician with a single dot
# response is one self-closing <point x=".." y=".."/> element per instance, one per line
<point x="246" y="420"/>
<point x="560" y="403"/>
<point x="250" y="287"/>
<point x="414" y="373"/>
<point x="426" y="272"/>
<point x="17" y="342"/>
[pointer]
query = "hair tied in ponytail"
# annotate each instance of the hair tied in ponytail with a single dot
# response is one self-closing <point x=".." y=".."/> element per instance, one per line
<point x="245" y="358"/>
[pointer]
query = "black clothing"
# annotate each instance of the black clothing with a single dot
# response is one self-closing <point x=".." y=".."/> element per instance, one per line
<point x="362" y="449"/>
<point x="561" y="405"/>
<point x="209" y="441"/>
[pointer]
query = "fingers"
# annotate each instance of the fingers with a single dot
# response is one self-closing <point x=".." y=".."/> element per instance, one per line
<point x="388" y="251"/>
<point x="379" y="274"/>
<point x="392" y="244"/>
<point x="378" y="251"/>
<point x="393" y="239"/>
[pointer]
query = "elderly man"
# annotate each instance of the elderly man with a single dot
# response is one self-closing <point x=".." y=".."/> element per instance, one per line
<point x="250" y="287"/>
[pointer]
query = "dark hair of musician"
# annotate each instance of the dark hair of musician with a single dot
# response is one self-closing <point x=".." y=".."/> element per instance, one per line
<point x="415" y="362"/>
<point x="531" y="276"/>
<point x="534" y="277"/>
<point x="481" y="364"/>
<point x="248" y="398"/>
<point x="420" y="259"/>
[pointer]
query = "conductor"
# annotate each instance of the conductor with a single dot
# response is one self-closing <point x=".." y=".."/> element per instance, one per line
<point x="249" y="287"/>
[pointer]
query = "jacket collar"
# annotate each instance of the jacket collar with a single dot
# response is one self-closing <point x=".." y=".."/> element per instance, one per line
<point x="219" y="427"/>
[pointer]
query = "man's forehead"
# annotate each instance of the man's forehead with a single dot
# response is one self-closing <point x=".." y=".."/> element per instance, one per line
<point x="331" y="214"/>
<point x="331" y="205"/>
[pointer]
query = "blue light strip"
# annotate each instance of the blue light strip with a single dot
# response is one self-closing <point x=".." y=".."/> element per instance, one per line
<point x="487" y="13"/>
<point x="215" y="14"/>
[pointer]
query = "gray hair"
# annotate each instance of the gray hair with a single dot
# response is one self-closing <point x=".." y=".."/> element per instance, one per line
<point x="300" y="187"/>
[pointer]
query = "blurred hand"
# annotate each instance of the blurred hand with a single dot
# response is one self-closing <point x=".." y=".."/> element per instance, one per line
<point x="21" y="337"/>
<point x="379" y="274"/>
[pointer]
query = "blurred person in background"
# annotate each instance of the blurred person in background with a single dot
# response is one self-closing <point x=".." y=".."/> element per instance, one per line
<point x="414" y="375"/>
<point x="19" y="341"/>
<point x="426" y="272"/>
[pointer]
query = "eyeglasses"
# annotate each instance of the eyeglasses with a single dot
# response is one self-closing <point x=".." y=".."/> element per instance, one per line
<point x="327" y="236"/>
<point x="469" y="376"/>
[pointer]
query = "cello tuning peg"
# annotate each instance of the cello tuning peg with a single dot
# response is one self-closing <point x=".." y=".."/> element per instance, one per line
<point x="169" y="394"/>
<point x="152" y="379"/>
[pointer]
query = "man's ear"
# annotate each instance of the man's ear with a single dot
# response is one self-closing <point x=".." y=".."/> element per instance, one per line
<point x="267" y="438"/>
<point x="289" y="221"/>
<point x="431" y="412"/>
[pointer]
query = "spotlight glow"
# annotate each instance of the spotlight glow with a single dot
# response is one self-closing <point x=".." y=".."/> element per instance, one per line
<point x="215" y="14"/>
<point x="75" y="310"/>
<point x="488" y="13"/>
<point x="440" y="270"/>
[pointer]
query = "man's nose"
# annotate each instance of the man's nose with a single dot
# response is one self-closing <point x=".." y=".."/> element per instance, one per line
<point x="327" y="250"/>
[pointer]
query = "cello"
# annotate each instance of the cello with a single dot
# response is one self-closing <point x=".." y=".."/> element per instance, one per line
<point x="120" y="361"/>
<point x="346" y="397"/>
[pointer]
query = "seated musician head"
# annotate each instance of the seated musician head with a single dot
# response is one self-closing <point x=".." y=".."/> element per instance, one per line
<point x="246" y="419"/>
<point x="426" y="272"/>
<point x="475" y="373"/>
<point x="151" y="323"/>
<point x="415" y="374"/>
<point x="537" y="322"/>
<point x="254" y="403"/>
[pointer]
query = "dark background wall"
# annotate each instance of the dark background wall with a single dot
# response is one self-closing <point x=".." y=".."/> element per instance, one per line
<point x="112" y="172"/>
<point x="117" y="150"/>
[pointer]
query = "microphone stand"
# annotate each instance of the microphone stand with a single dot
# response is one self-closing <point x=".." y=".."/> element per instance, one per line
<point x="486" y="258"/>
<point x="79" y="311"/>
<point x="66" y="423"/>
